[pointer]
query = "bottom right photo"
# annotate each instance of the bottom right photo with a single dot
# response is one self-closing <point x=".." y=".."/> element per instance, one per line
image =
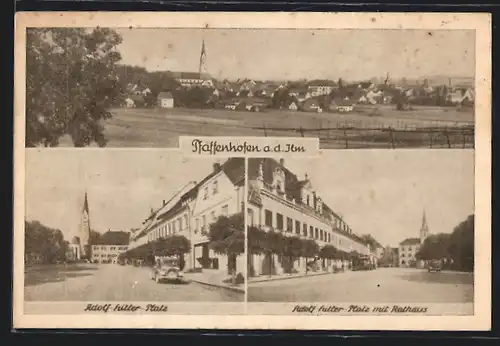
<point x="390" y="228"/>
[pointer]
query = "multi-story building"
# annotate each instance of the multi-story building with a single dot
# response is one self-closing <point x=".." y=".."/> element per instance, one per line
<point x="191" y="211"/>
<point x="107" y="253"/>
<point x="279" y="200"/>
<point x="409" y="247"/>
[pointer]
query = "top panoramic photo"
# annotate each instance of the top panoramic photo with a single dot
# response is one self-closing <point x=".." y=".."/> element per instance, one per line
<point x="351" y="88"/>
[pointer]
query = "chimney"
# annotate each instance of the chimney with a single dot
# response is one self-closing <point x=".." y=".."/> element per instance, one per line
<point x="306" y="177"/>
<point x="164" y="203"/>
<point x="216" y="166"/>
<point x="282" y="162"/>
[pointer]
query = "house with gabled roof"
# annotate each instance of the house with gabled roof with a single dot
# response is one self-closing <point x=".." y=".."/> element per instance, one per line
<point x="192" y="210"/>
<point x="280" y="201"/>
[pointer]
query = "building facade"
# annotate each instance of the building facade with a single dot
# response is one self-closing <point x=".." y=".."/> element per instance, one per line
<point x="107" y="253"/>
<point x="278" y="200"/>
<point x="409" y="247"/>
<point x="191" y="212"/>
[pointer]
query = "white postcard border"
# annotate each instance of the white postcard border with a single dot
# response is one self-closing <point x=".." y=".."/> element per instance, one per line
<point x="480" y="22"/>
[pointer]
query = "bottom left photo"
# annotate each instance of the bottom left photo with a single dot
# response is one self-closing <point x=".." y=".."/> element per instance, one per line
<point x="134" y="226"/>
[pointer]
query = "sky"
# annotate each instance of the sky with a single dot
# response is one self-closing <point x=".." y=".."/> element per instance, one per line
<point x="122" y="185"/>
<point x="290" y="54"/>
<point x="384" y="192"/>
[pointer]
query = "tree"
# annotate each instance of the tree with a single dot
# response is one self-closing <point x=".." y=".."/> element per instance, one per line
<point x="227" y="237"/>
<point x="114" y="238"/>
<point x="328" y="252"/>
<point x="173" y="245"/>
<point x="435" y="247"/>
<point x="371" y="241"/>
<point x="310" y="249"/>
<point x="274" y="245"/>
<point x="70" y="84"/>
<point x="461" y="245"/>
<point x="292" y="249"/>
<point x="43" y="244"/>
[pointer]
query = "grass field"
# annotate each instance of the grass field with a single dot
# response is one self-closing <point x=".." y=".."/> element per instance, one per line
<point x="360" y="129"/>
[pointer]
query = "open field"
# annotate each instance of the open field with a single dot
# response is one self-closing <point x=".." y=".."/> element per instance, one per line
<point x="422" y="127"/>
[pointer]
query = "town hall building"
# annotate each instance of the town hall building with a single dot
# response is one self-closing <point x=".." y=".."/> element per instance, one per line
<point x="278" y="200"/>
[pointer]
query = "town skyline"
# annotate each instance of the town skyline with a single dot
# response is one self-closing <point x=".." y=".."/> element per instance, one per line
<point x="385" y="195"/>
<point x="367" y="53"/>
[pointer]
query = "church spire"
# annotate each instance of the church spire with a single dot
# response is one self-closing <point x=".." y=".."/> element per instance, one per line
<point x="86" y="204"/>
<point x="424" y="229"/>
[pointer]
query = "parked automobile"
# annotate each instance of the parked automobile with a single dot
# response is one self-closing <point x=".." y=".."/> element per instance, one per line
<point x="166" y="269"/>
<point x="434" y="266"/>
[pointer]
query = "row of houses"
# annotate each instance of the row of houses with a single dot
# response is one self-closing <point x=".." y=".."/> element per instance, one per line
<point x="277" y="199"/>
<point x="190" y="212"/>
<point x="254" y="95"/>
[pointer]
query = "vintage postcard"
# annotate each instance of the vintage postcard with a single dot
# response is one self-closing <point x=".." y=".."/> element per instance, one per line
<point x="252" y="171"/>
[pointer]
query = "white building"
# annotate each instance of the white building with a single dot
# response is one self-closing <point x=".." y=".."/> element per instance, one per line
<point x="409" y="247"/>
<point x="279" y="200"/>
<point x="165" y="100"/>
<point x="107" y="253"/>
<point x="191" y="211"/>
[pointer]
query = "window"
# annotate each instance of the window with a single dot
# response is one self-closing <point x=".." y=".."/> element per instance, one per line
<point x="321" y="235"/>
<point x="181" y="224"/>
<point x="204" y="221"/>
<point x="329" y="238"/>
<point x="316" y="233"/>
<point x="289" y="225"/>
<point x="297" y="227"/>
<point x="311" y="231"/>
<point x="304" y="230"/>
<point x="279" y="221"/>
<point x="225" y="210"/>
<point x="215" y="187"/>
<point x="269" y="218"/>
<point x="307" y="200"/>
<point x="185" y="221"/>
<point x="205" y="194"/>
<point x="250" y="217"/>
<point x="197" y="225"/>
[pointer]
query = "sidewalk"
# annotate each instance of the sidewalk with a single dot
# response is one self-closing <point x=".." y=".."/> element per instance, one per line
<point x="266" y="278"/>
<point x="215" y="279"/>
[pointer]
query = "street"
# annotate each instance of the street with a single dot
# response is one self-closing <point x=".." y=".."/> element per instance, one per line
<point x="391" y="285"/>
<point x="112" y="282"/>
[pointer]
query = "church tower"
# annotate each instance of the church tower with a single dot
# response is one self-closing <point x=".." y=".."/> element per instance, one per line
<point x="424" y="230"/>
<point x="203" y="59"/>
<point x="85" y="230"/>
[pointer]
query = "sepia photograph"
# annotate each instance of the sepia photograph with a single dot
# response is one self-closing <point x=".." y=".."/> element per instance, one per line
<point x="252" y="171"/>
<point x="395" y="227"/>
<point x="352" y="88"/>
<point x="133" y="226"/>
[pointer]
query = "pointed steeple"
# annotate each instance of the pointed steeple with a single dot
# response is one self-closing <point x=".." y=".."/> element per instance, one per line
<point x="424" y="229"/>
<point x="424" y="221"/>
<point x="86" y="203"/>
<point x="203" y="58"/>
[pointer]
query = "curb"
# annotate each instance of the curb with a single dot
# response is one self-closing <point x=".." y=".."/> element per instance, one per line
<point x="288" y="278"/>
<point x="234" y="289"/>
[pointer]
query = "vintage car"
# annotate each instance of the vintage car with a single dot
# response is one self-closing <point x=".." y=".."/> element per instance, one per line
<point x="166" y="269"/>
<point x="434" y="266"/>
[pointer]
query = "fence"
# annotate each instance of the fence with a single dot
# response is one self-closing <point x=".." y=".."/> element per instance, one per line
<point x="381" y="137"/>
